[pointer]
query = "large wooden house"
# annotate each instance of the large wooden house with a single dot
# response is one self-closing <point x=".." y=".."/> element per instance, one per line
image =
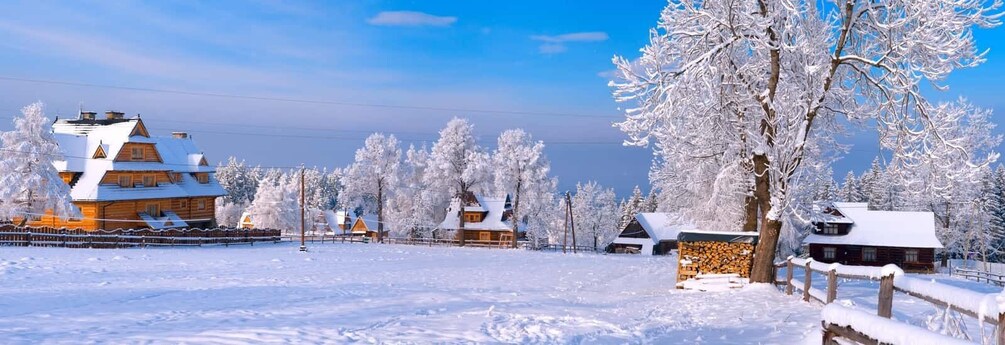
<point x="486" y="218"/>
<point x="851" y="234"/>
<point x="650" y="234"/>
<point x="121" y="177"/>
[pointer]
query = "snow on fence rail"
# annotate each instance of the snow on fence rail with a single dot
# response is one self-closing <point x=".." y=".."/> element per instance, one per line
<point x="76" y="238"/>
<point x="987" y="277"/>
<point x="852" y="325"/>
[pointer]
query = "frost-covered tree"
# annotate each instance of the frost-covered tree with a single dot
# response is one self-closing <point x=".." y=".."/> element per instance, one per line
<point x="373" y="176"/>
<point x="631" y="207"/>
<point x="544" y="215"/>
<point x="740" y="90"/>
<point x="411" y="212"/>
<point x="29" y="183"/>
<point x="277" y="204"/>
<point x="457" y="165"/>
<point x="850" y="190"/>
<point x="521" y="170"/>
<point x="651" y="203"/>
<point x="228" y="214"/>
<point x="594" y="211"/>
<point x="236" y="178"/>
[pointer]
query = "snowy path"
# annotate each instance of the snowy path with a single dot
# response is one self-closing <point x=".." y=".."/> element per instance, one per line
<point x="375" y="293"/>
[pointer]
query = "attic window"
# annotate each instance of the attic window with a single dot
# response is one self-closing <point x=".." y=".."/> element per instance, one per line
<point x="149" y="181"/>
<point x="140" y="130"/>
<point x="99" y="153"/>
<point x="830" y="229"/>
<point x="136" y="153"/>
<point x="203" y="162"/>
<point x="202" y="177"/>
<point x="125" y="181"/>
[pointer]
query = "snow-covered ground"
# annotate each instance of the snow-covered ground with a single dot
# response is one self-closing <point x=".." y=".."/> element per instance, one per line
<point x="371" y="293"/>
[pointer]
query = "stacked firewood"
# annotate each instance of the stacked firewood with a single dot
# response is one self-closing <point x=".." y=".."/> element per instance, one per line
<point x="709" y="257"/>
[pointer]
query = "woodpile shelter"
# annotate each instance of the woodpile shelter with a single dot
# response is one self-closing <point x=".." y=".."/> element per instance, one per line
<point x="122" y="177"/>
<point x="852" y="234"/>
<point x="715" y="253"/>
<point x="650" y="234"/>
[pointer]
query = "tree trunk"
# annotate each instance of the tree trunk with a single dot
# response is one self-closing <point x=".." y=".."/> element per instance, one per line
<point x="750" y="214"/>
<point x="767" y="243"/>
<point x="380" y="211"/>
<point x="516" y="207"/>
<point x="460" y="215"/>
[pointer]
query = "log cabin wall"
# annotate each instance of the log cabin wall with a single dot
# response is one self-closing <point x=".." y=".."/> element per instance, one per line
<point x="853" y="255"/>
<point x="106" y="215"/>
<point x="149" y="153"/>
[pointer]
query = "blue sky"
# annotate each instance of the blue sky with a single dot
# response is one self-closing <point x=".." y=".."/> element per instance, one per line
<point x="439" y="58"/>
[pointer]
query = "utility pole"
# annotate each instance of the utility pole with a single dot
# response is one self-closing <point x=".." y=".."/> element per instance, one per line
<point x="572" y="219"/>
<point x="565" y="239"/>
<point x="303" y="221"/>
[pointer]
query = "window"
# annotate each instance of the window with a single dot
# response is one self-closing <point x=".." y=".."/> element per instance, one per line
<point x="201" y="205"/>
<point x="137" y="153"/>
<point x="831" y="229"/>
<point x="830" y="253"/>
<point x="183" y="204"/>
<point x="201" y="177"/>
<point x="177" y="177"/>
<point x="484" y="236"/>
<point x="149" y="181"/>
<point x="126" y="181"/>
<point x="868" y="254"/>
<point x="154" y="210"/>
<point x="911" y="255"/>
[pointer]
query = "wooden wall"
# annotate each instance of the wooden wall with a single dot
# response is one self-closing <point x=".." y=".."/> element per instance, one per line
<point x="474" y="235"/>
<point x="112" y="177"/>
<point x="852" y="255"/>
<point x="149" y="153"/>
<point x="94" y="212"/>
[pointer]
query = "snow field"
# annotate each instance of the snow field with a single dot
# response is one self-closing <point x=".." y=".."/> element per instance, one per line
<point x="368" y="293"/>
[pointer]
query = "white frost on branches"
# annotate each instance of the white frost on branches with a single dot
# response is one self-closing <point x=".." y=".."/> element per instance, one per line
<point x="29" y="183"/>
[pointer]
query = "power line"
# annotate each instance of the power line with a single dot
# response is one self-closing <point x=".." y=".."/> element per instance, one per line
<point x="298" y="100"/>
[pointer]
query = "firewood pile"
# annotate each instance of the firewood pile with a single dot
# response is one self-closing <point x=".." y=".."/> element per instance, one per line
<point x="714" y="257"/>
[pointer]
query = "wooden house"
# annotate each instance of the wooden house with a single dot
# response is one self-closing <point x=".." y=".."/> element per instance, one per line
<point x="338" y="221"/>
<point x="122" y="177"/>
<point x="852" y="234"/>
<point x="245" y="221"/>
<point x="486" y="219"/>
<point x="649" y="234"/>
<point x="366" y="226"/>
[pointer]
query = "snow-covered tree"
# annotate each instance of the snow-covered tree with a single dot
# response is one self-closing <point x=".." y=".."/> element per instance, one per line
<point x="740" y="90"/>
<point x="850" y="190"/>
<point x="521" y="170"/>
<point x="228" y="214"/>
<point x="457" y="165"/>
<point x="411" y="213"/>
<point x="373" y="176"/>
<point x="235" y="177"/>
<point x="630" y="207"/>
<point x="651" y="204"/>
<point x="594" y="211"/>
<point x="277" y="204"/>
<point x="29" y="184"/>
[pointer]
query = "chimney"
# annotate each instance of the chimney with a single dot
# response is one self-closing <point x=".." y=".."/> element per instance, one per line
<point x="179" y="135"/>
<point x="114" y="115"/>
<point x="88" y="115"/>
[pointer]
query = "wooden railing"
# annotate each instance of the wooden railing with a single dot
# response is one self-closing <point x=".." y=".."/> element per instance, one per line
<point x="841" y="322"/>
<point x="449" y="242"/>
<point x="979" y="276"/>
<point x="120" y="238"/>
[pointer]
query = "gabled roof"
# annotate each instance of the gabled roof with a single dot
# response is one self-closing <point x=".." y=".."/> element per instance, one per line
<point x="79" y="139"/>
<point x="335" y="219"/>
<point x="495" y="217"/>
<point x="663" y="226"/>
<point x="882" y="228"/>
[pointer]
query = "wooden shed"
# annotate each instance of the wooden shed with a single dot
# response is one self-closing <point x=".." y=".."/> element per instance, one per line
<point x="715" y="253"/>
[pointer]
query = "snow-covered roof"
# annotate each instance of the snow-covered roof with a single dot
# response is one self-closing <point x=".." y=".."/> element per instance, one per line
<point x="167" y="220"/>
<point x="335" y="219"/>
<point x="369" y="221"/>
<point x="663" y="226"/>
<point x="495" y="206"/>
<point x="882" y="228"/>
<point x="80" y="139"/>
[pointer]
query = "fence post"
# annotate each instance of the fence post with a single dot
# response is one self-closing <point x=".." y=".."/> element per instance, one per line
<point x="788" y="276"/>
<point x="28" y="239"/>
<point x="63" y="235"/>
<point x="1000" y="330"/>
<point x="885" y="305"/>
<point x="832" y="285"/>
<point x="807" y="281"/>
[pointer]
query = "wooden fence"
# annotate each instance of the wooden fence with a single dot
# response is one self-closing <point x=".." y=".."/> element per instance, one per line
<point x="837" y="323"/>
<point x="119" y="238"/>
<point x="430" y="242"/>
<point x="979" y="276"/>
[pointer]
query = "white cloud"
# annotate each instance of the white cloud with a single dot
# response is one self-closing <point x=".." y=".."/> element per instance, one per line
<point x="554" y="44"/>
<point x="595" y="36"/>
<point x="410" y="18"/>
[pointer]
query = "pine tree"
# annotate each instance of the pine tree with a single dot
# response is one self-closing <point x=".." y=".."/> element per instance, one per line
<point x="995" y="209"/>
<point x="651" y="203"/>
<point x="850" y="191"/>
<point x="29" y="183"/>
<point x="631" y="207"/>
